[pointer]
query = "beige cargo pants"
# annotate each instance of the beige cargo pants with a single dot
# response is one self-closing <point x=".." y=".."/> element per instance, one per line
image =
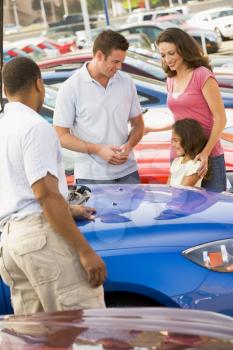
<point x="43" y="272"/>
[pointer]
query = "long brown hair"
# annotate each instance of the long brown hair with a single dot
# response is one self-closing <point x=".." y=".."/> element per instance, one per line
<point x="192" y="136"/>
<point x="187" y="47"/>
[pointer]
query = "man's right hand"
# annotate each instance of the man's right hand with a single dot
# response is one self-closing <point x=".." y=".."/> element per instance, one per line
<point x="112" y="155"/>
<point x="94" y="267"/>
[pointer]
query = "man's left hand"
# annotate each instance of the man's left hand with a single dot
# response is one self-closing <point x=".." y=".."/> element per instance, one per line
<point x="125" y="149"/>
<point x="83" y="212"/>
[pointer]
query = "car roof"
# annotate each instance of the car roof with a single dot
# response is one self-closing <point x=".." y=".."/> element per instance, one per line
<point x="144" y="23"/>
<point x="215" y="9"/>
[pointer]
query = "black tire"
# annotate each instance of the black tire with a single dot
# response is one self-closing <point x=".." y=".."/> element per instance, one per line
<point x="129" y="300"/>
<point x="219" y="33"/>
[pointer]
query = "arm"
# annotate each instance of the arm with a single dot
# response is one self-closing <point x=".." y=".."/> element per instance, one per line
<point x="169" y="179"/>
<point x="136" y="133"/>
<point x="106" y="152"/>
<point x="213" y="98"/>
<point x="82" y="212"/>
<point x="148" y="129"/>
<point x="190" y="180"/>
<point x="58" y="214"/>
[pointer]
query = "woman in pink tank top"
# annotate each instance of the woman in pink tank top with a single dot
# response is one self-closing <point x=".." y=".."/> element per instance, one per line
<point x="193" y="92"/>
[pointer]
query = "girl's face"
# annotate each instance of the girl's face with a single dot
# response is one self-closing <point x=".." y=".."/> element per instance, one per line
<point x="176" y="144"/>
<point x="170" y="56"/>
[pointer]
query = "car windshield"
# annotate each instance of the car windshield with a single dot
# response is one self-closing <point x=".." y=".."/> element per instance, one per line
<point x="224" y="13"/>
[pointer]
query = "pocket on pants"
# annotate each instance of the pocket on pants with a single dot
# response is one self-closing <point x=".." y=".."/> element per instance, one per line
<point x="3" y="270"/>
<point x="36" y="260"/>
<point x="81" y="296"/>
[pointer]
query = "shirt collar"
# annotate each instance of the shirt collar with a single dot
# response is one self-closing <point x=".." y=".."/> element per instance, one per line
<point x="88" y="78"/>
<point x="15" y="106"/>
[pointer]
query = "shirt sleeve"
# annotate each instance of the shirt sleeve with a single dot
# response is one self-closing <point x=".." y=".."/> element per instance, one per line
<point x="192" y="168"/>
<point x="135" y="109"/>
<point x="41" y="152"/>
<point x="175" y="165"/>
<point x="65" y="108"/>
<point x="204" y="74"/>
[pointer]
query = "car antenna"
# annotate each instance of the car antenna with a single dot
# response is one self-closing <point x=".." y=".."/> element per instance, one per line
<point x="1" y="52"/>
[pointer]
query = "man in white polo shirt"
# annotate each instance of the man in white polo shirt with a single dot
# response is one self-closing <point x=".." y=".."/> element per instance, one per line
<point x="93" y="110"/>
<point x="44" y="258"/>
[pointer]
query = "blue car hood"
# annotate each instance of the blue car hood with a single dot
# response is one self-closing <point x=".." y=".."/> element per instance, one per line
<point x="140" y="216"/>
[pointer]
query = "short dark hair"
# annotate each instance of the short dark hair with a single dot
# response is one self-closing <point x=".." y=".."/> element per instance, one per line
<point x="193" y="139"/>
<point x="109" y="40"/>
<point x="20" y="74"/>
<point x="187" y="47"/>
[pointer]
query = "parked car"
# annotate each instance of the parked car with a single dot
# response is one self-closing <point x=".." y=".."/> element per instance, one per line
<point x="219" y="19"/>
<point x="134" y="63"/>
<point x="11" y="28"/>
<point x="118" y="329"/>
<point x="12" y="52"/>
<point x="156" y="14"/>
<point x="139" y="40"/>
<point x="50" y="48"/>
<point x="163" y="246"/>
<point x="152" y="30"/>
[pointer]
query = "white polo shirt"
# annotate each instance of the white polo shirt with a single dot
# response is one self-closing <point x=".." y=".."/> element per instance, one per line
<point x="98" y="115"/>
<point x="29" y="149"/>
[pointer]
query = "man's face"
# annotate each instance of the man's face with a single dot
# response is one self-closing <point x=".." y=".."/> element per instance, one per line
<point x="109" y="65"/>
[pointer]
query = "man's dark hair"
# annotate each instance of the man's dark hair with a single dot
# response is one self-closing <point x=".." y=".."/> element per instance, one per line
<point x="19" y="75"/>
<point x="109" y="40"/>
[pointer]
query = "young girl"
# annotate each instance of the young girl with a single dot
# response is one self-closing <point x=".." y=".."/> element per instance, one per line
<point x="188" y="140"/>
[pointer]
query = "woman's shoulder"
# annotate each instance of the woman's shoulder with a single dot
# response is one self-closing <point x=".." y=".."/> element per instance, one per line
<point x="201" y="74"/>
<point x="203" y="71"/>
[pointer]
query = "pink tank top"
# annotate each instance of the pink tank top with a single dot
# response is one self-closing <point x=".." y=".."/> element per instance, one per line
<point x="192" y="104"/>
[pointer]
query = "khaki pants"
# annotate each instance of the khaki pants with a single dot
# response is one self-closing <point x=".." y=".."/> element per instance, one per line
<point x="42" y="270"/>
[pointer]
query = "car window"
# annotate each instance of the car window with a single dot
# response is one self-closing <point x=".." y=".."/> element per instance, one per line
<point x="151" y="31"/>
<point x="147" y="17"/>
<point x="215" y="15"/>
<point x="225" y="13"/>
<point x="205" y="18"/>
<point x="126" y="32"/>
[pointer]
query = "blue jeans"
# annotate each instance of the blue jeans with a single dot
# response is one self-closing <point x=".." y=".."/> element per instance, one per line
<point x="132" y="178"/>
<point x="217" y="180"/>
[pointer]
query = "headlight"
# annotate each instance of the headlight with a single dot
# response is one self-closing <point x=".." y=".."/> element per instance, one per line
<point x="215" y="256"/>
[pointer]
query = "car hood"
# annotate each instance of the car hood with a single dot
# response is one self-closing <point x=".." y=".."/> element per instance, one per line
<point x="140" y="216"/>
<point x="118" y="328"/>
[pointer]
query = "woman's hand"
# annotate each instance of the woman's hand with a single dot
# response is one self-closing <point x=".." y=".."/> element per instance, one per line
<point x="82" y="212"/>
<point x="203" y="158"/>
<point x="147" y="129"/>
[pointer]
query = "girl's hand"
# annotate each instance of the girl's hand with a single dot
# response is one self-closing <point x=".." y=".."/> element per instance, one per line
<point x="204" y="164"/>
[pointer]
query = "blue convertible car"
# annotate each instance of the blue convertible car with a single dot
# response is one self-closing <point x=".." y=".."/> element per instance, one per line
<point x="162" y="245"/>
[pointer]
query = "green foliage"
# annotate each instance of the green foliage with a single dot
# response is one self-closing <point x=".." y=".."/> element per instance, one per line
<point x="95" y="5"/>
<point x="139" y="3"/>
